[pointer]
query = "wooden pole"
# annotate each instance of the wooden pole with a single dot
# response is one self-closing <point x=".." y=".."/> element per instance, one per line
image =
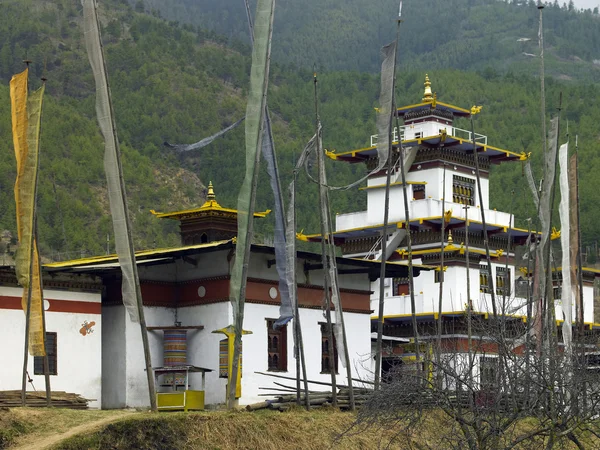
<point x="138" y="291"/>
<point x="324" y="252"/>
<point x="342" y="324"/>
<point x="384" y="238"/>
<point x="300" y="361"/>
<point x="239" y="318"/>
<point x="438" y="351"/>
<point x="300" y="357"/>
<point x="486" y="242"/>
<point x="29" y="288"/>
<point x="469" y="302"/>
<point x="529" y="327"/>
<point x="35" y="230"/>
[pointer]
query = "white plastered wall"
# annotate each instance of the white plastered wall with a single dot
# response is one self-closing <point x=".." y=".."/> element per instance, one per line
<point x="79" y="360"/>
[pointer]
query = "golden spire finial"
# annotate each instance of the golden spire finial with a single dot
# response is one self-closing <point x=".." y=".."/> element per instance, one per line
<point x="427" y="96"/>
<point x="211" y="198"/>
<point x="450" y="239"/>
<point x="211" y="192"/>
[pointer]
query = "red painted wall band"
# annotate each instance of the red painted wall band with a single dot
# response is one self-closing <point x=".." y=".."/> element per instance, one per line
<point x="64" y="306"/>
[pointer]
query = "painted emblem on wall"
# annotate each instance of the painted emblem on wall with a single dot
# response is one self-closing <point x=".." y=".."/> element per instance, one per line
<point x="87" y="328"/>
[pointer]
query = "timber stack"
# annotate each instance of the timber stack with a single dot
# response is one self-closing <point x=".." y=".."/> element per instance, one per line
<point x="60" y="399"/>
<point x="284" y="402"/>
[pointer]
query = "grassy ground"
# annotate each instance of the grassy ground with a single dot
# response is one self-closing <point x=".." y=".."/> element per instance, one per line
<point x="58" y="429"/>
<point x="30" y="427"/>
<point x="267" y="430"/>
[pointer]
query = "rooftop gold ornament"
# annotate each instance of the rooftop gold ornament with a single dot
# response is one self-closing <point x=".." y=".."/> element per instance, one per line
<point x="427" y="96"/>
<point x="476" y="110"/>
<point x="211" y="198"/>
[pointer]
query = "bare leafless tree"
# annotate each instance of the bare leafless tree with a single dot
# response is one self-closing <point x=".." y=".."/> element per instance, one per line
<point x="498" y="394"/>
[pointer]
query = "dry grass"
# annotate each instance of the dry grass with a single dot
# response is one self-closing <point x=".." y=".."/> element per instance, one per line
<point x="266" y="429"/>
<point x="24" y="426"/>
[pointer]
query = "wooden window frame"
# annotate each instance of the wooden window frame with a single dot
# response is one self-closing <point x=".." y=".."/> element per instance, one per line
<point x="489" y="372"/>
<point x="279" y="351"/>
<point x="401" y="286"/>
<point x="38" y="361"/>
<point x="463" y="190"/>
<point x="326" y="368"/>
<point x="503" y="281"/>
<point x="484" y="273"/>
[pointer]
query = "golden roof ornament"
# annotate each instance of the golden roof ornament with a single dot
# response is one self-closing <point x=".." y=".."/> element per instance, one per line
<point x="211" y="198"/>
<point x="428" y="95"/>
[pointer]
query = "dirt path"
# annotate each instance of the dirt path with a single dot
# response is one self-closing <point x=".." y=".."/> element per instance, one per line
<point x="45" y="442"/>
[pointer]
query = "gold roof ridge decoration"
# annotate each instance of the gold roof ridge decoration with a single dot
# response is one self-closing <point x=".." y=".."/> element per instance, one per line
<point x="211" y="198"/>
<point x="210" y="207"/>
<point x="427" y="95"/>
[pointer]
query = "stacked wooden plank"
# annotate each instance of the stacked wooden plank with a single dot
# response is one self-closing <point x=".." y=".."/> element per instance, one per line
<point x="60" y="399"/>
<point x="283" y="402"/>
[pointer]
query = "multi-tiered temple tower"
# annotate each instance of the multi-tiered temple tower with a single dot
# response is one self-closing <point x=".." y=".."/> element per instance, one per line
<point x="442" y="188"/>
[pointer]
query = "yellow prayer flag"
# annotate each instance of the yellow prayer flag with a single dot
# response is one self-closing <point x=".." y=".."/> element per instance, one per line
<point x="26" y="120"/>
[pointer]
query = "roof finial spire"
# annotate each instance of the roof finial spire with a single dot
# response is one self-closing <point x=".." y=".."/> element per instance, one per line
<point x="211" y="192"/>
<point x="427" y="96"/>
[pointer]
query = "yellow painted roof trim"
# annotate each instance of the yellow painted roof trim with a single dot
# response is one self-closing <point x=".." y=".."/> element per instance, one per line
<point x="504" y="227"/>
<point x="204" y="209"/>
<point x="522" y="156"/>
<point x="210" y="205"/>
<point x="438" y="103"/>
<point x="398" y="183"/>
<point x="400" y="263"/>
<point x="307" y="237"/>
<point x="114" y="258"/>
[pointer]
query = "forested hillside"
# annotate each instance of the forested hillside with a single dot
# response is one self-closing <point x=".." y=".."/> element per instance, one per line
<point x="178" y="84"/>
<point x="435" y="34"/>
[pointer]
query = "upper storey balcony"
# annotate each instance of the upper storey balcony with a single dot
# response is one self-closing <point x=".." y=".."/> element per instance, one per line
<point x="415" y="132"/>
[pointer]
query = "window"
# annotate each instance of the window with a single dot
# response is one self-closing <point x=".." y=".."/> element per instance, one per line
<point x="276" y="347"/>
<point x="522" y="287"/>
<point x="484" y="279"/>
<point x="437" y="275"/>
<point x="325" y="356"/>
<point x="401" y="286"/>
<point x="488" y="372"/>
<point x="419" y="191"/>
<point x="502" y="281"/>
<point x="557" y="292"/>
<point x="463" y="190"/>
<point x="418" y="135"/>
<point x="38" y="361"/>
